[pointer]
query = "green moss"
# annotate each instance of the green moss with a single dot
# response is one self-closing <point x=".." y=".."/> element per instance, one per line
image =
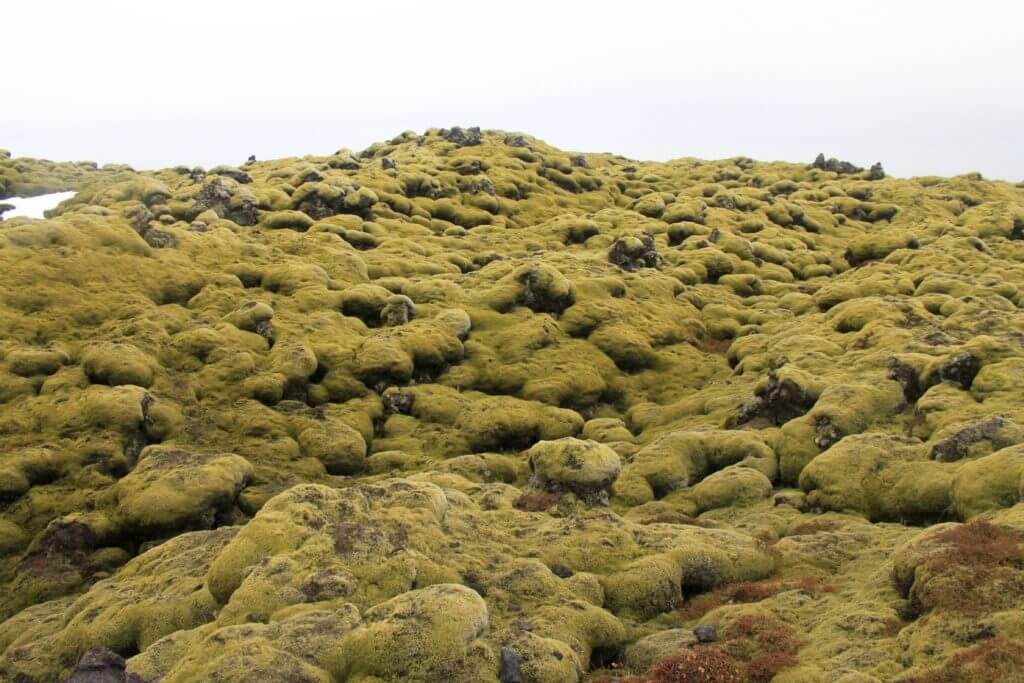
<point x="681" y="458"/>
<point x="989" y="483"/>
<point x="505" y="423"/>
<point x="586" y="468"/>
<point x="290" y="220"/>
<point x="116" y="363"/>
<point x="30" y="362"/>
<point x="881" y="477"/>
<point x="731" y="486"/>
<point x="433" y="631"/>
<point x="171" y="489"/>
<point x="448" y="308"/>
<point x="338" y="446"/>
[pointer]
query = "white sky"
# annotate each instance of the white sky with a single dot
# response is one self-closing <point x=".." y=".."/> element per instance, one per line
<point x="926" y="87"/>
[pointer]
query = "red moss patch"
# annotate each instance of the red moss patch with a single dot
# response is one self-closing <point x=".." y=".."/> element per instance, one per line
<point x="981" y="565"/>
<point x="728" y="594"/>
<point x="813" y="527"/>
<point x="536" y="502"/>
<point x="766" y="644"/>
<point x="705" y="664"/>
<point x="998" y="660"/>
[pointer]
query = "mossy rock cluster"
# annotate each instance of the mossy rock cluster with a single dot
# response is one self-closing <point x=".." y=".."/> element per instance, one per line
<point x="466" y="407"/>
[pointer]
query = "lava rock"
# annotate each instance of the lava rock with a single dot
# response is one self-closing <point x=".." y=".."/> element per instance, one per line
<point x="705" y="634"/>
<point x="510" y="667"/>
<point x="100" y="665"/>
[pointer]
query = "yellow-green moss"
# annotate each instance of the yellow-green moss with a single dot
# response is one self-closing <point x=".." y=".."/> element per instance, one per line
<point x="444" y="308"/>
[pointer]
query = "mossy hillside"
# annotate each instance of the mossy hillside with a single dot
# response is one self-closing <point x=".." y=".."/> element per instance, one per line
<point x="565" y="398"/>
<point x="28" y="177"/>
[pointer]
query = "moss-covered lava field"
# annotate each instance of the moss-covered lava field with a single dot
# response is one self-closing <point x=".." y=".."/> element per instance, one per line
<point x="465" y="407"/>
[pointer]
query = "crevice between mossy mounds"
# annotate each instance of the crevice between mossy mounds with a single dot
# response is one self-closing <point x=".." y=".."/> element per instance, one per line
<point x="959" y="369"/>
<point x="778" y="403"/>
<point x="100" y="665"/>
<point x="135" y="441"/>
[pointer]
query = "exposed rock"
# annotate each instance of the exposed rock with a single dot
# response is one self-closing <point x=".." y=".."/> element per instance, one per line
<point x="100" y="665"/>
<point x="510" y="667"/>
<point x="236" y="174"/>
<point x="835" y="165"/>
<point x="778" y="402"/>
<point x="705" y="634"/>
<point x="632" y="252"/>
<point x="467" y="137"/>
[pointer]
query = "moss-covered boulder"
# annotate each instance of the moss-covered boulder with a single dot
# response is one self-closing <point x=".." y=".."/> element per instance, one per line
<point x="171" y="489"/>
<point x="586" y="468"/>
<point x="116" y="363"/>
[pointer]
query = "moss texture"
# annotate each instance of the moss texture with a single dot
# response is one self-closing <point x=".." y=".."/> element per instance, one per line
<point x="466" y="407"/>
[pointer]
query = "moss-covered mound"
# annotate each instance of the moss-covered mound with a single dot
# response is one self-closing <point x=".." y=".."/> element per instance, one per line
<point x="465" y="407"/>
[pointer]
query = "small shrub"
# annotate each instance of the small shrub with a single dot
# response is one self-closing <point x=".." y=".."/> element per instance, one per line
<point x="535" y="502"/>
<point x="815" y="585"/>
<point x="766" y="644"/>
<point x="706" y="664"/>
<point x="765" y="666"/>
<point x="742" y="592"/>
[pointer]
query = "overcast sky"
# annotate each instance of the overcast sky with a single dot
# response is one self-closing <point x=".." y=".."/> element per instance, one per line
<point x="926" y="87"/>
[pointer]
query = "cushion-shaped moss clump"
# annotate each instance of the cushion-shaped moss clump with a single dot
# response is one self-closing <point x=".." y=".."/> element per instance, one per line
<point x="699" y="560"/>
<point x="682" y="458"/>
<point x="398" y="309"/>
<point x="287" y="220"/>
<point x="36" y="361"/>
<point x="587" y="468"/>
<point x="305" y="645"/>
<point x="395" y="355"/>
<point x="883" y="477"/>
<point x="732" y="486"/>
<point x="172" y="489"/>
<point x="363" y="523"/>
<point x="253" y="316"/>
<point x="153" y="595"/>
<point x="338" y="446"/>
<point x="652" y="205"/>
<point x="635" y="251"/>
<point x="502" y="423"/>
<point x="429" y="632"/>
<point x="116" y="363"/>
<point x="21" y="469"/>
<point x="990" y="483"/>
<point x="544" y="289"/>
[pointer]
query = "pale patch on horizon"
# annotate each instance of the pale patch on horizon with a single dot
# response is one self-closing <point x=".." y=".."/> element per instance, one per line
<point x="34" y="207"/>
